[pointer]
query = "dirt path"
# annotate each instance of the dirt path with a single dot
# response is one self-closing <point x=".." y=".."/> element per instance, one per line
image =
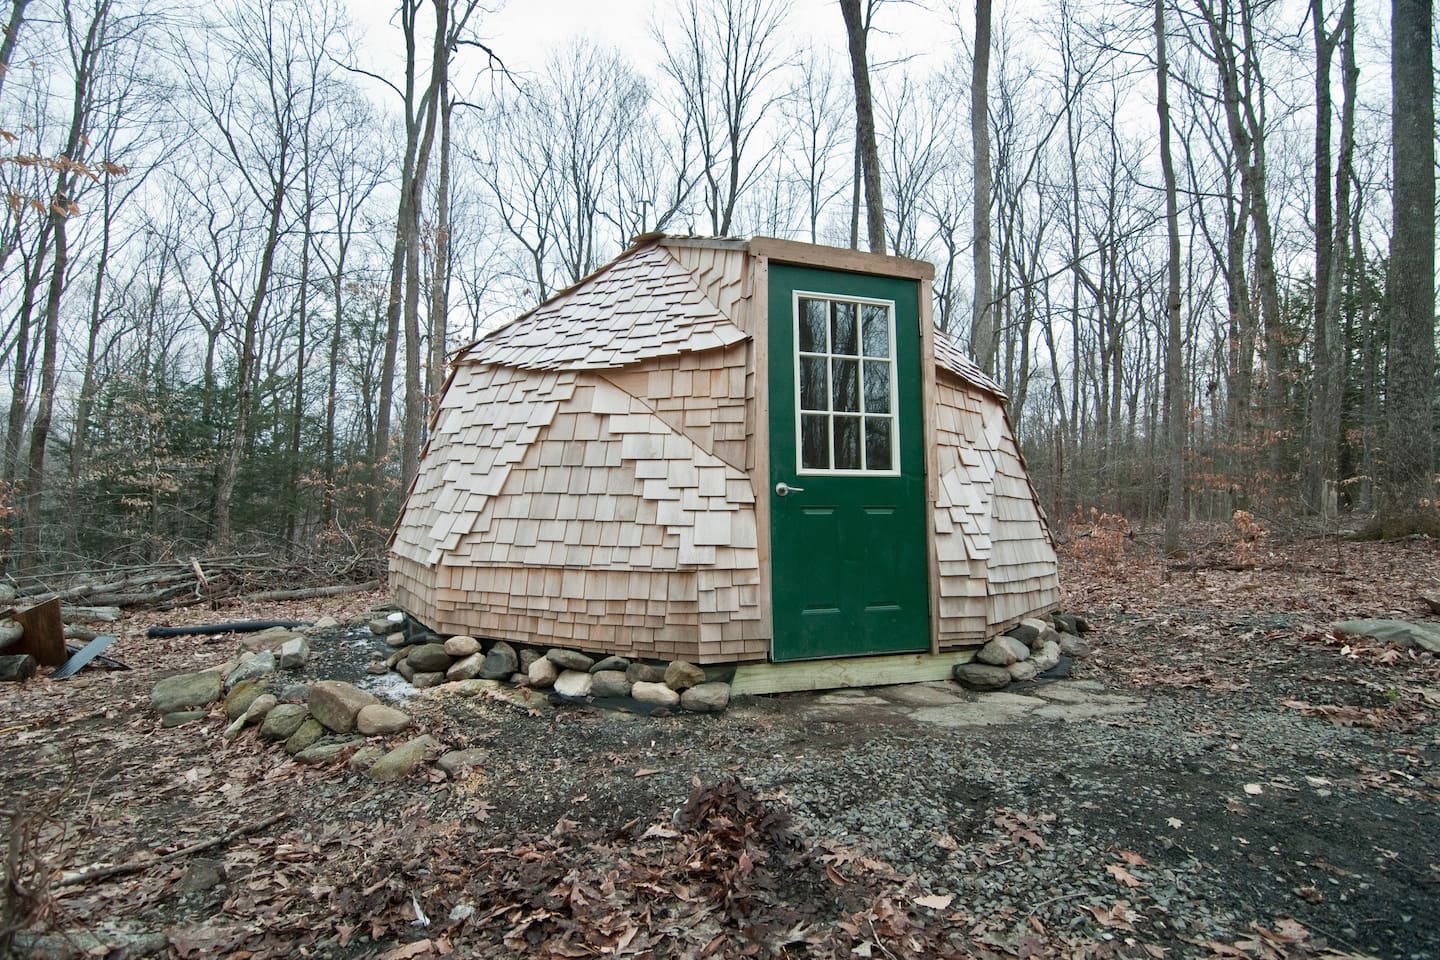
<point x="1221" y="779"/>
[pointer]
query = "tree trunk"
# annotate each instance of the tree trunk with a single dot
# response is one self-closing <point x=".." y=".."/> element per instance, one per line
<point x="440" y="279"/>
<point x="857" y="26"/>
<point x="982" y="323"/>
<point x="11" y="35"/>
<point x="1410" y="383"/>
<point x="1322" y="426"/>
<point x="1174" y="380"/>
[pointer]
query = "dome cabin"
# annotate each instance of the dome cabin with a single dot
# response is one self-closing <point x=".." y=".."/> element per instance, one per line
<point x="727" y="451"/>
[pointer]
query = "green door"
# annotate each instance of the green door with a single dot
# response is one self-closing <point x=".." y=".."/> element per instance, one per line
<point x="847" y="474"/>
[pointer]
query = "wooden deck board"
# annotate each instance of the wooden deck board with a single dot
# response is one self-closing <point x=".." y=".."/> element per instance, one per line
<point x="756" y="678"/>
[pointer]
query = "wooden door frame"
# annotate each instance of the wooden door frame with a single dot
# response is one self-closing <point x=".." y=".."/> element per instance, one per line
<point x="763" y="250"/>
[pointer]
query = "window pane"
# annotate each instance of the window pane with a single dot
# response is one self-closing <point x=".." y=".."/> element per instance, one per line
<point x="877" y="331"/>
<point x="814" y="443"/>
<point x="845" y="385"/>
<point x="877" y="386"/>
<point x="812" y="384"/>
<point x="847" y="443"/>
<point x="842" y="339"/>
<point x="877" y="444"/>
<point x="812" y="326"/>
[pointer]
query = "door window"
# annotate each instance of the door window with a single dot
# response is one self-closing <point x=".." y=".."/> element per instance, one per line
<point x="845" y="385"/>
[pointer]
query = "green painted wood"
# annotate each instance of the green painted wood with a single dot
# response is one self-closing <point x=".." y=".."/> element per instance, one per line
<point x="848" y="564"/>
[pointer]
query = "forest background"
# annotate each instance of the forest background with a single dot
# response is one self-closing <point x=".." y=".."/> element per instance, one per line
<point x="1193" y="239"/>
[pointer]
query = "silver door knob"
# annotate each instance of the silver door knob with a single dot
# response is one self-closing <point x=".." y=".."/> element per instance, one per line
<point x="784" y="489"/>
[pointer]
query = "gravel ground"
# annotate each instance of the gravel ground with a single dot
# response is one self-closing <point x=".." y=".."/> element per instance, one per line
<point x="1214" y="820"/>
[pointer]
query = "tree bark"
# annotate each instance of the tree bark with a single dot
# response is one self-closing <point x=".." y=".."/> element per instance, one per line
<point x="1174" y="380"/>
<point x="982" y="322"/>
<point x="857" y="27"/>
<point x="1410" y="383"/>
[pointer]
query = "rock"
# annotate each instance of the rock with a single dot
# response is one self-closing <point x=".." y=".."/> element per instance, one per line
<point x="462" y="646"/>
<point x="324" y="752"/>
<point x="364" y="758"/>
<point x="260" y="665"/>
<point x="268" y="640"/>
<point x="611" y="663"/>
<point x="1003" y="651"/>
<point x="424" y="681"/>
<point x="1065" y="623"/>
<point x="402" y="761"/>
<point x="467" y="668"/>
<point x="183" y="716"/>
<point x="201" y="875"/>
<point x="569" y="660"/>
<point x="186" y="691"/>
<point x="428" y="658"/>
<point x="473" y="688"/>
<point x="377" y="669"/>
<point x="1400" y="632"/>
<point x="17" y="667"/>
<point x="647" y="672"/>
<point x="542" y="673"/>
<point x="500" y="662"/>
<point x="609" y="683"/>
<point x="335" y="704"/>
<point x="324" y="623"/>
<point x="378" y="718"/>
<point x="395" y="659"/>
<point x="263" y="704"/>
<point x="1046" y="657"/>
<point x="294" y="692"/>
<point x="457" y="762"/>
<point x="381" y="627"/>
<point x="293" y="653"/>
<point x="283" y="720"/>
<point x="1046" y="636"/>
<point x="573" y="683"/>
<point x="304" y="736"/>
<point x="1024" y="631"/>
<point x="1074" y="647"/>
<point x="397" y="640"/>
<point x="681" y="676"/>
<point x="527" y="657"/>
<point x="242" y="695"/>
<point x="706" y="697"/>
<point x="981" y="676"/>
<point x="224" y="669"/>
<point x="405" y="670"/>
<point x="1082" y="625"/>
<point x="1022" y="670"/>
<point x="657" y="693"/>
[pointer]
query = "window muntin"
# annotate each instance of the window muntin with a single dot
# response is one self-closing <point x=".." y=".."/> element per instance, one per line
<point x="845" y="386"/>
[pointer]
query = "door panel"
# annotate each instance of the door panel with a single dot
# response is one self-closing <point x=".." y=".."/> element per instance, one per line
<point x="848" y="565"/>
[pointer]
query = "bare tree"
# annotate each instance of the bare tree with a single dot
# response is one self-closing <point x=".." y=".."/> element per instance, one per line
<point x="723" y="64"/>
<point x="1410" y="386"/>
<point x="857" y="29"/>
<point x="982" y="320"/>
<point x="1174" y="374"/>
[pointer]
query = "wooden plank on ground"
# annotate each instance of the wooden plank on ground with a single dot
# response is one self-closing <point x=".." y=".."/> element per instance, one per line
<point x="44" y="637"/>
<point x="756" y="678"/>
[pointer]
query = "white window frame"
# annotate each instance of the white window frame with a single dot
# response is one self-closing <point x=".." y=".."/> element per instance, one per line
<point x="893" y="360"/>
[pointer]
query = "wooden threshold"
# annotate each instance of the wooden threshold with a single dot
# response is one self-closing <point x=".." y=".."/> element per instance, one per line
<point x="753" y="678"/>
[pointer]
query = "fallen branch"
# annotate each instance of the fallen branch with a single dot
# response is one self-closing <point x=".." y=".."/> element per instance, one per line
<point x="309" y="593"/>
<point x="124" y="869"/>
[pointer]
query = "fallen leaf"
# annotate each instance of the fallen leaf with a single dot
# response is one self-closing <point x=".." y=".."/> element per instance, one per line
<point x="1122" y="875"/>
<point x="1254" y="789"/>
<point x="1132" y="858"/>
<point x="1116" y="917"/>
<point x="417" y="949"/>
<point x="936" y="901"/>
<point x="645" y="772"/>
<point x="1175" y="822"/>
